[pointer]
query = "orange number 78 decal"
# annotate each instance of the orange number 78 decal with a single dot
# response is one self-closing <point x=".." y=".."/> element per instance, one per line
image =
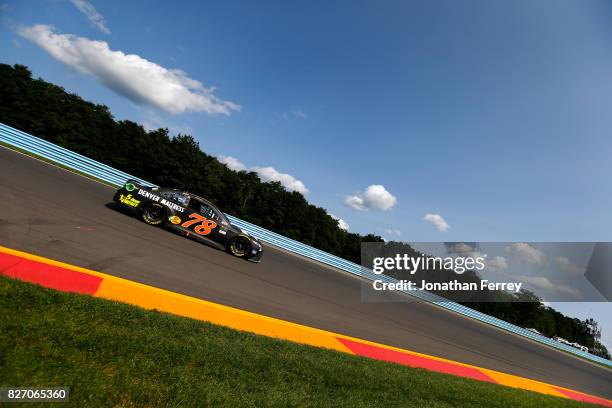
<point x="204" y="228"/>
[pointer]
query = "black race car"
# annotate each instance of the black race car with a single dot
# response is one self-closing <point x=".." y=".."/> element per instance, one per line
<point x="189" y="215"/>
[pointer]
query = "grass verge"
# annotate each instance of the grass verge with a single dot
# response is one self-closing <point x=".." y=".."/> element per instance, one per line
<point x="113" y="354"/>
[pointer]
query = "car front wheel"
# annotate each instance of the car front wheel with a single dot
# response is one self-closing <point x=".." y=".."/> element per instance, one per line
<point x="240" y="247"/>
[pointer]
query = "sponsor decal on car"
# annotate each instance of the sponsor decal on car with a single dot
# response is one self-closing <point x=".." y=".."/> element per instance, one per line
<point x="172" y="205"/>
<point x="150" y="196"/>
<point x="129" y="200"/>
<point x="162" y="201"/>
<point x="174" y="220"/>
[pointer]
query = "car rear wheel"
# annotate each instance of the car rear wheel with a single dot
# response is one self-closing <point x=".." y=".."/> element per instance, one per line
<point x="153" y="214"/>
<point x="240" y="247"/>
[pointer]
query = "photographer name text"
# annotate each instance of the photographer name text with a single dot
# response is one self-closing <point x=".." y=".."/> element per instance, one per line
<point x="447" y="286"/>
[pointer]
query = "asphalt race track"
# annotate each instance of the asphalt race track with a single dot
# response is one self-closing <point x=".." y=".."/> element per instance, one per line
<point x="53" y="213"/>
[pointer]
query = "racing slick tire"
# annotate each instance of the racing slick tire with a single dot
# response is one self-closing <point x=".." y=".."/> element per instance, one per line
<point x="240" y="247"/>
<point x="153" y="214"/>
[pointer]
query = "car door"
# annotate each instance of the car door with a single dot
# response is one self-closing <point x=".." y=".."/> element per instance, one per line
<point x="220" y="233"/>
<point x="202" y="222"/>
<point x="210" y="212"/>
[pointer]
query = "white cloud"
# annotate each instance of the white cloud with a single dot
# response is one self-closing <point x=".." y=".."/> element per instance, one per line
<point x="266" y="174"/>
<point x="496" y="264"/>
<point x="438" y="222"/>
<point x="95" y="18"/>
<point x="565" y="265"/>
<point x="569" y="291"/>
<point x="288" y="181"/>
<point x="129" y="75"/>
<point x="375" y="197"/>
<point x="341" y="223"/>
<point x="300" y="114"/>
<point x="393" y="231"/>
<point x="538" y="281"/>
<point x="355" y="202"/>
<point x="232" y="163"/>
<point x="462" y="248"/>
<point x="527" y="254"/>
<point x="542" y="282"/>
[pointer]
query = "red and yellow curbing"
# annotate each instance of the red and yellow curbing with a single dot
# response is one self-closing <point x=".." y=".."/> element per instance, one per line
<point x="70" y="278"/>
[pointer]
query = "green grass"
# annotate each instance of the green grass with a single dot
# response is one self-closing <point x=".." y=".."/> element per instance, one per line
<point x="113" y="354"/>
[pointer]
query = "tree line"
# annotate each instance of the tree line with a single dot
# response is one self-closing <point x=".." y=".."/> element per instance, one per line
<point x="48" y="111"/>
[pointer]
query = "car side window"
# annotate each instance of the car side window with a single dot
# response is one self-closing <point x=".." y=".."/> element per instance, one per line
<point x="215" y="216"/>
<point x="203" y="208"/>
<point x="195" y="204"/>
<point x="207" y="211"/>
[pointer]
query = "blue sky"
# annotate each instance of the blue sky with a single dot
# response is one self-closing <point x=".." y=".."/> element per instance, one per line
<point x="493" y="115"/>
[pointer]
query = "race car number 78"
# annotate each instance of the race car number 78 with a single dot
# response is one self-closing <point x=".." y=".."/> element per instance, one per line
<point x="204" y="228"/>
